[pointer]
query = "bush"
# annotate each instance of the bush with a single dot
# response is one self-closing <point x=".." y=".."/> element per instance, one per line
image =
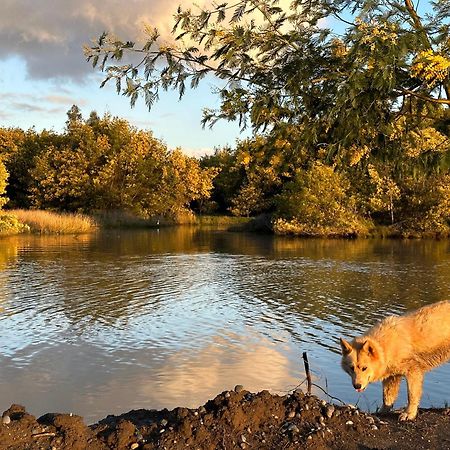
<point x="10" y="224"/>
<point x="426" y="204"/>
<point x="318" y="203"/>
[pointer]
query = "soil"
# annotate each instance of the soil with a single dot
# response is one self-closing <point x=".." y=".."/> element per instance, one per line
<point x="235" y="419"/>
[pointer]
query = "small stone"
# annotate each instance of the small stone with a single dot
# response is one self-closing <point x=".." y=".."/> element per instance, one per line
<point x="323" y="402"/>
<point x="350" y="406"/>
<point x="6" y="419"/>
<point x="202" y="410"/>
<point x="243" y="445"/>
<point x="164" y="422"/>
<point x="139" y="436"/>
<point x="374" y="427"/>
<point x="309" y="437"/>
<point x="293" y="428"/>
<point x="227" y="394"/>
<point x="243" y="438"/>
<point x="329" y="411"/>
<point x="349" y="422"/>
<point x="306" y="407"/>
<point x="371" y="420"/>
<point x="134" y="446"/>
<point x="238" y="388"/>
<point x="291" y="415"/>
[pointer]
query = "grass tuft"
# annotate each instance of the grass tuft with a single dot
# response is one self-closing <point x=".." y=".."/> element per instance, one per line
<point x="47" y="222"/>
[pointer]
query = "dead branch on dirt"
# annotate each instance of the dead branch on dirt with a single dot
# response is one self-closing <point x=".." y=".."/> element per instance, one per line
<point x="37" y="435"/>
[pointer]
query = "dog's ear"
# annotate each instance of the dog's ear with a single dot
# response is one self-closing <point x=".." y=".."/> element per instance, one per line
<point x="345" y="346"/>
<point x="370" y="349"/>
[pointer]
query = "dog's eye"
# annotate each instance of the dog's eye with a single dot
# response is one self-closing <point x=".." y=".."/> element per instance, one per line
<point x="364" y="368"/>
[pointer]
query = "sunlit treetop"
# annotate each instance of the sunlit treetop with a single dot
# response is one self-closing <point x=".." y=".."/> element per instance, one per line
<point x="333" y="68"/>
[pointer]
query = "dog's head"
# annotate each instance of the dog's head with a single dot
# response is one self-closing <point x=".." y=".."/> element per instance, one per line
<point x="360" y="359"/>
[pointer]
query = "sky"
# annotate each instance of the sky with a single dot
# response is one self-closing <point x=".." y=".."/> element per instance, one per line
<point x="43" y="71"/>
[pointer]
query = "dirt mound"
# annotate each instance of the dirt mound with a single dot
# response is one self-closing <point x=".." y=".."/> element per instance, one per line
<point x="233" y="420"/>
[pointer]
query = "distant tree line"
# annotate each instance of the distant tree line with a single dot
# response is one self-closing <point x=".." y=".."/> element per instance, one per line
<point x="103" y="163"/>
<point x="99" y="164"/>
<point x="348" y="101"/>
<point x="407" y="190"/>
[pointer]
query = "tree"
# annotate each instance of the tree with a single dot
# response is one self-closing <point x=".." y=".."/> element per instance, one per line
<point x="285" y="66"/>
<point x="228" y="180"/>
<point x="3" y="183"/>
<point x="105" y="163"/>
<point x="74" y="117"/>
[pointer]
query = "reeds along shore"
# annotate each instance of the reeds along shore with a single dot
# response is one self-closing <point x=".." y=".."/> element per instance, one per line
<point x="48" y="222"/>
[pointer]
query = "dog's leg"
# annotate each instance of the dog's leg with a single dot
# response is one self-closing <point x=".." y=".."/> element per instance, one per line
<point x="415" y="381"/>
<point x="391" y="386"/>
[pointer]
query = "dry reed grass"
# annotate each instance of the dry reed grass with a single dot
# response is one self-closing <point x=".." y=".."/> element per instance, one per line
<point x="48" y="222"/>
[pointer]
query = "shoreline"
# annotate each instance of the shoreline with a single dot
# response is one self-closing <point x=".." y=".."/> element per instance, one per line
<point x="236" y="419"/>
<point x="51" y="223"/>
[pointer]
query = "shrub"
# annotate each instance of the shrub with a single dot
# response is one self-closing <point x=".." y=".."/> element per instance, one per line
<point x="318" y="202"/>
<point x="10" y="224"/>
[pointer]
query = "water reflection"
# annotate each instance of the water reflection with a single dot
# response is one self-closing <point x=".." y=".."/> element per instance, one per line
<point x="106" y="322"/>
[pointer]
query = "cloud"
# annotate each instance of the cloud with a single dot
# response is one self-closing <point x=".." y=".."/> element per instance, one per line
<point x="29" y="103"/>
<point x="198" y="152"/>
<point x="49" y="36"/>
<point x="65" y="100"/>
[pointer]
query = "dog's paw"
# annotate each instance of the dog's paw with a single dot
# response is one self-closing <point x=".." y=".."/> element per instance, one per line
<point x="404" y="416"/>
<point x="385" y="409"/>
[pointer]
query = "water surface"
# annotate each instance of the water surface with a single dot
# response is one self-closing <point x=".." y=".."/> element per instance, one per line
<point x="105" y="323"/>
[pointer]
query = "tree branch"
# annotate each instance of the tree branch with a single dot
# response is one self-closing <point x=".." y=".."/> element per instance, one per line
<point x="442" y="101"/>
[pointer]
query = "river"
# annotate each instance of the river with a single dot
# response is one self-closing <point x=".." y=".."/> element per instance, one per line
<point x="100" y="324"/>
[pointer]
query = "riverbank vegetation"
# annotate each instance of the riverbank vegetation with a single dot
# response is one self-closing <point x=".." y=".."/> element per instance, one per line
<point x="49" y="222"/>
<point x="124" y="177"/>
<point x="348" y="102"/>
<point x="103" y="167"/>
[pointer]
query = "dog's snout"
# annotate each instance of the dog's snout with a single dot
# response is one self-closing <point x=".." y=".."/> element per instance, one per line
<point x="357" y="386"/>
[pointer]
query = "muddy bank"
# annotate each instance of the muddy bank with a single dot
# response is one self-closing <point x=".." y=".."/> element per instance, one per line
<point x="235" y="419"/>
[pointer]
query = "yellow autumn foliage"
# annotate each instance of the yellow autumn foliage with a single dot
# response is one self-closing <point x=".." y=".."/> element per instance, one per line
<point x="318" y="202"/>
<point x="430" y="67"/>
<point x="425" y="140"/>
